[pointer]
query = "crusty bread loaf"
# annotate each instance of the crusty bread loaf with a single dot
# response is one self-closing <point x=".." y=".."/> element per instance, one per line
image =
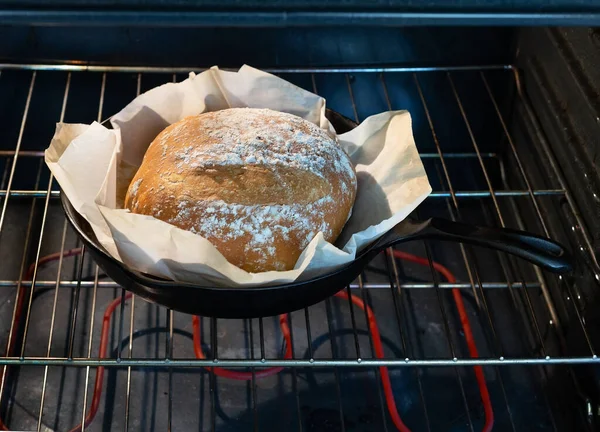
<point x="258" y="184"/>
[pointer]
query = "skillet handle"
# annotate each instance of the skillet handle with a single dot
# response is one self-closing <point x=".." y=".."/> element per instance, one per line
<point x="538" y="250"/>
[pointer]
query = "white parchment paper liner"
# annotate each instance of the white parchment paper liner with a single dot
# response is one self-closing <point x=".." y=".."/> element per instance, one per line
<point x="94" y="165"/>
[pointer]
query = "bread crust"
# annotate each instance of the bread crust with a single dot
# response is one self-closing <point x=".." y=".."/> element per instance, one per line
<point x="258" y="184"/>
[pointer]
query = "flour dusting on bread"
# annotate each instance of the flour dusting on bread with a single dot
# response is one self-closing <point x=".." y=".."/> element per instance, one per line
<point x="258" y="184"/>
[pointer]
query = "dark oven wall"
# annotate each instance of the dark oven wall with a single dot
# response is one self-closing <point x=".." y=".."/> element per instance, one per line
<point x="260" y="47"/>
<point x="560" y="77"/>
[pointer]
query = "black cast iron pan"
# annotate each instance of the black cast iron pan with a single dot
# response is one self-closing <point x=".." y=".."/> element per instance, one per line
<point x="266" y="301"/>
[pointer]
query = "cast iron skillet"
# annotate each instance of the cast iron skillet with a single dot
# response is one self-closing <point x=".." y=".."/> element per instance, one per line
<point x="266" y="301"/>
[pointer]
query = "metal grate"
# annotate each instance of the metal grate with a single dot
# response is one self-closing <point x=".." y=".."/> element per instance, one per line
<point x="482" y="164"/>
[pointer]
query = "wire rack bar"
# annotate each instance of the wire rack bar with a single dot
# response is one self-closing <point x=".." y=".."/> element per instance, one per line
<point x="37" y="260"/>
<point x="439" y="297"/>
<point x="481" y="302"/>
<point x="187" y="69"/>
<point x="169" y="355"/>
<point x="94" y="292"/>
<point x="332" y="339"/>
<point x="336" y="372"/>
<point x="499" y="349"/>
<point x="17" y="149"/>
<point x="392" y="289"/>
<point x="19" y="296"/>
<point x="43" y="225"/>
<point x="132" y="311"/>
<point x="365" y="298"/>
<point x="257" y="363"/>
<point x="435" y="194"/>
<point x="398" y="296"/>
<point x="534" y="201"/>
<point x="444" y="285"/>
<point x="89" y="349"/>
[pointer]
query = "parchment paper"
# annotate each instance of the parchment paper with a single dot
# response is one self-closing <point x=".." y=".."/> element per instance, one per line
<point x="94" y="165"/>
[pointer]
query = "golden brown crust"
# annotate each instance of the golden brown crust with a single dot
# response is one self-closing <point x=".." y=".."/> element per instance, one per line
<point x="258" y="184"/>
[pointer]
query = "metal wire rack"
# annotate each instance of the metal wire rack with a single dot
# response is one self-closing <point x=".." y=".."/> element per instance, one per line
<point x="483" y="170"/>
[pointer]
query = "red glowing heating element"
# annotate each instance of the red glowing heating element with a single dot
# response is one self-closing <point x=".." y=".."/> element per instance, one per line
<point x="283" y="322"/>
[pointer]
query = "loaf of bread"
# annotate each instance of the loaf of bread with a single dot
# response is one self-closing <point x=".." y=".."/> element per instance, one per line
<point x="258" y="184"/>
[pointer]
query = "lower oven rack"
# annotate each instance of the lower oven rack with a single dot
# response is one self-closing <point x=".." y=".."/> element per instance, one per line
<point x="482" y="157"/>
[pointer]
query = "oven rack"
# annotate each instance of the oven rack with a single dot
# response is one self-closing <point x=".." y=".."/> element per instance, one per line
<point x="506" y="193"/>
<point x="452" y="195"/>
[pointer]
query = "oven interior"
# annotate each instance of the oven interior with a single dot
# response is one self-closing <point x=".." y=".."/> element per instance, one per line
<point x="506" y="121"/>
